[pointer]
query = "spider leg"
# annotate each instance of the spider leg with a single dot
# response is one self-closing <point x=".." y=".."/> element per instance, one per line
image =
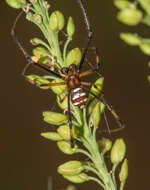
<point x="96" y="69"/>
<point x="70" y="119"/>
<point x="27" y="56"/>
<point x="89" y="30"/>
<point x="112" y="111"/>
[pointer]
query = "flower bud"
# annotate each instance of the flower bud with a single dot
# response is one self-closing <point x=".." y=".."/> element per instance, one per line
<point x="64" y="132"/>
<point x="62" y="104"/>
<point x="70" y="187"/>
<point x="80" y="178"/>
<point x="124" y="171"/>
<point x="96" y="115"/>
<point x="37" y="18"/>
<point x="55" y="118"/>
<point x="16" y="4"/>
<point x="66" y="148"/>
<point x="36" y="41"/>
<point x="60" y="89"/>
<point x="118" y="151"/>
<point x="40" y="51"/>
<point x="122" y="4"/>
<point x="145" y="48"/>
<point x="74" y="57"/>
<point x="70" y="27"/>
<point x="52" y="136"/>
<point x="130" y="16"/>
<point x="105" y="145"/>
<point x="57" y="21"/>
<point x="131" y="39"/>
<point x="73" y="167"/>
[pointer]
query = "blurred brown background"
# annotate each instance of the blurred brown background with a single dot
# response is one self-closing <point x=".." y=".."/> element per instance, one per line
<point x="27" y="159"/>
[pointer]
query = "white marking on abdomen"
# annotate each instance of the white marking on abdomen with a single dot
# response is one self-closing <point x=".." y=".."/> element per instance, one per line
<point x="76" y="89"/>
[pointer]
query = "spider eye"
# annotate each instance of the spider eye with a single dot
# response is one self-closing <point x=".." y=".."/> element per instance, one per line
<point x="72" y="67"/>
<point x="64" y="70"/>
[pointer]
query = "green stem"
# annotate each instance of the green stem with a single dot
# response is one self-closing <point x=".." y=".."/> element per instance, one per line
<point x="65" y="48"/>
<point x="113" y="174"/>
<point x="122" y="186"/>
<point x="145" y="5"/>
<point x="97" y="181"/>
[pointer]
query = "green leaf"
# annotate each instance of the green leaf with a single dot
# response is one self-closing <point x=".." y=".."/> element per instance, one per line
<point x="55" y="118"/>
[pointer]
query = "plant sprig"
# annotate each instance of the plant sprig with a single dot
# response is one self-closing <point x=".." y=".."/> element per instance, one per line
<point x="85" y="122"/>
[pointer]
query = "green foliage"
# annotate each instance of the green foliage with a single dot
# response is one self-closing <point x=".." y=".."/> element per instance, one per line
<point x="134" y="13"/>
<point x="86" y="121"/>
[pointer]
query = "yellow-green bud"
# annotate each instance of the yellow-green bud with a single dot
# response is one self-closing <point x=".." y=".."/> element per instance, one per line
<point x="40" y="51"/>
<point x="118" y="151"/>
<point x="16" y="4"/>
<point x="60" y="89"/>
<point x="130" y="16"/>
<point x="62" y="104"/>
<point x="96" y="115"/>
<point x="145" y="48"/>
<point x="124" y="171"/>
<point x="66" y="148"/>
<point x="70" y="187"/>
<point x="105" y="145"/>
<point x="80" y="178"/>
<point x="70" y="27"/>
<point x="122" y="4"/>
<point x="52" y="136"/>
<point x="37" y="18"/>
<point x="64" y="132"/>
<point x="55" y="118"/>
<point x="74" y="57"/>
<point x="73" y="167"/>
<point x="131" y="39"/>
<point x="56" y="21"/>
<point x="36" y="41"/>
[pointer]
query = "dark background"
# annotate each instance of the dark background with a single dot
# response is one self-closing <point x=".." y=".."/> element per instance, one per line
<point x="27" y="159"/>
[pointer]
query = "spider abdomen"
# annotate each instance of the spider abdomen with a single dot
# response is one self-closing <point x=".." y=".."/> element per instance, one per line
<point x="79" y="97"/>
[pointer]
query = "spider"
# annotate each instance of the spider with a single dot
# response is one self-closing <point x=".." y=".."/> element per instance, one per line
<point x="77" y="90"/>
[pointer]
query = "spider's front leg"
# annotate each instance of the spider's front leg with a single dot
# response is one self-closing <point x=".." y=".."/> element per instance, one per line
<point x="89" y="30"/>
